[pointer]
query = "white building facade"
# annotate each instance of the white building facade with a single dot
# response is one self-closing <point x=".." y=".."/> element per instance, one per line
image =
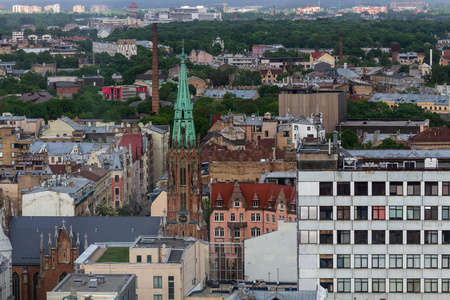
<point x="375" y="234"/>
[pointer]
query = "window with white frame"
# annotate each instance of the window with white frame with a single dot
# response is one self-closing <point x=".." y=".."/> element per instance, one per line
<point x="308" y="237"/>
<point x="219" y="232"/>
<point x="255" y="231"/>
<point x="308" y="213"/>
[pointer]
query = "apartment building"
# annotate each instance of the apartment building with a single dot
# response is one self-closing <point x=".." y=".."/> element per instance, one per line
<point x="378" y="234"/>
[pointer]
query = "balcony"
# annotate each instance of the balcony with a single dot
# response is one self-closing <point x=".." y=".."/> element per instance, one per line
<point x="236" y="225"/>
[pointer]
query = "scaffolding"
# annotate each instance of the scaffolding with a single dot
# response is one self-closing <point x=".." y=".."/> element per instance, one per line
<point x="226" y="261"/>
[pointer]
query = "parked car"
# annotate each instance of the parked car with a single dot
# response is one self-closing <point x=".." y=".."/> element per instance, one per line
<point x="213" y="283"/>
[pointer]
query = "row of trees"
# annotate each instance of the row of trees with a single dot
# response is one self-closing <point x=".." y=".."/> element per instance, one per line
<point x="413" y="35"/>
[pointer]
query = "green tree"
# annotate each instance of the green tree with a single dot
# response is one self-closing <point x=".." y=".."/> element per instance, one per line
<point x="125" y="210"/>
<point x="390" y="144"/>
<point x="103" y="210"/>
<point x="350" y="140"/>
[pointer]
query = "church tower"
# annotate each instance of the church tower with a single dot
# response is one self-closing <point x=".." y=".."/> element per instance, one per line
<point x="184" y="187"/>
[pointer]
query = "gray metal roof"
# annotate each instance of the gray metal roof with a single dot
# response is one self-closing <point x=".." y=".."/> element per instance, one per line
<point x="411" y="98"/>
<point x="110" y="283"/>
<point x="98" y="230"/>
<point x="64" y="148"/>
<point x="71" y="123"/>
<point x="401" y="154"/>
<point x="244" y="94"/>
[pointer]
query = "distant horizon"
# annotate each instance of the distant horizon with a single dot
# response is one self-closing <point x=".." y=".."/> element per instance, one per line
<point x="115" y="4"/>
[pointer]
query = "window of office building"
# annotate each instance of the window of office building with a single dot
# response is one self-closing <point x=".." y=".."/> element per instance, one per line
<point x="361" y="188"/>
<point x="413" y="285"/>
<point x="361" y="212"/>
<point x="378" y="285"/>
<point x="343" y="212"/>
<point x="343" y="260"/>
<point x="395" y="261"/>
<point x="361" y="285"/>
<point x="430" y="261"/>
<point x="308" y="237"/>
<point x="379" y="188"/>
<point x="413" y="212"/>
<point x="396" y="285"/>
<point x="395" y="212"/>
<point x="445" y="188"/>
<point x="326" y="213"/>
<point x="445" y="261"/>
<point x="430" y="285"/>
<point x="378" y="237"/>
<point x="431" y="236"/>
<point x="445" y="236"/>
<point x="396" y="188"/>
<point x="413" y="236"/>
<point x="413" y="188"/>
<point x="360" y="261"/>
<point x="431" y="188"/>
<point x="431" y="212"/>
<point x="360" y="236"/>
<point x="343" y="236"/>
<point x="395" y="237"/>
<point x="378" y="261"/>
<point x="343" y="285"/>
<point x="326" y="188"/>
<point x="307" y="213"/>
<point x="327" y="283"/>
<point x="413" y="261"/>
<point x="326" y="261"/>
<point x="378" y="212"/>
<point x="326" y="236"/>
<point x="343" y="188"/>
<point x="445" y="212"/>
<point x="446" y="285"/>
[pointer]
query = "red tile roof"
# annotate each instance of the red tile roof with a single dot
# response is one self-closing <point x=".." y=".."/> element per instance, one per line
<point x="136" y="144"/>
<point x="317" y="54"/>
<point x="433" y="135"/>
<point x="265" y="192"/>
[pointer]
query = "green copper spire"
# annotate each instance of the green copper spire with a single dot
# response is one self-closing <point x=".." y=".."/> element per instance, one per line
<point x="183" y="124"/>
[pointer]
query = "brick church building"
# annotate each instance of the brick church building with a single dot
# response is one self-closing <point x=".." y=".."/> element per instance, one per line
<point x="184" y="189"/>
<point x="45" y="248"/>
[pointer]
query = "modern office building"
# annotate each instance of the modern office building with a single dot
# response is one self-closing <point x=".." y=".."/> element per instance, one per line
<point x="375" y="233"/>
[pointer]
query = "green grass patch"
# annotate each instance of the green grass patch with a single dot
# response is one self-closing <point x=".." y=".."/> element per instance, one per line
<point x="115" y="254"/>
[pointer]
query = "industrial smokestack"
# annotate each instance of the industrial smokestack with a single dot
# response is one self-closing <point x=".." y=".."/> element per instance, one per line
<point x="155" y="71"/>
<point x="395" y="49"/>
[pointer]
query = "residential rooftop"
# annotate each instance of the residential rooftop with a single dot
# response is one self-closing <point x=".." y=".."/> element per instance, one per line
<point x="105" y="283"/>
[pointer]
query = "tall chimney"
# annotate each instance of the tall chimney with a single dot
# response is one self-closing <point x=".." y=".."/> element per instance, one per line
<point x="155" y="72"/>
<point x="395" y="49"/>
<point x="340" y="49"/>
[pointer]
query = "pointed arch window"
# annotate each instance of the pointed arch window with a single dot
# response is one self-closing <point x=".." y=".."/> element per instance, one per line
<point x="183" y="171"/>
<point x="16" y="285"/>
<point x="61" y="277"/>
<point x="183" y="200"/>
<point x="35" y="285"/>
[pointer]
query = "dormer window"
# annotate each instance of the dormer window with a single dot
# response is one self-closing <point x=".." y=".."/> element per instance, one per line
<point x="255" y="203"/>
<point x="237" y="203"/>
<point x="219" y="203"/>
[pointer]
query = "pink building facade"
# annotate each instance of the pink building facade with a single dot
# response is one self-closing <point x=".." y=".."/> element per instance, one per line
<point x="241" y="211"/>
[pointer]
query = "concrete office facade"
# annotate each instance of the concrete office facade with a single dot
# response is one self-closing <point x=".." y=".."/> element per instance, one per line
<point x="375" y="234"/>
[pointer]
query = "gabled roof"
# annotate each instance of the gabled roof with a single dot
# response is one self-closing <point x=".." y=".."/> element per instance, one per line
<point x="98" y="229"/>
<point x="71" y="123"/>
<point x="317" y="55"/>
<point x="265" y="192"/>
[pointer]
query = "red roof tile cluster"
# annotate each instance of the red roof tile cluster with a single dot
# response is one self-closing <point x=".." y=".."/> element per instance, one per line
<point x="433" y="135"/>
<point x="92" y="173"/>
<point x="136" y="144"/>
<point x="265" y="193"/>
<point x="317" y="55"/>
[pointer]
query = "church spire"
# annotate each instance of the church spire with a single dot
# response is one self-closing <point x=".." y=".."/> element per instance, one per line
<point x="183" y="126"/>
